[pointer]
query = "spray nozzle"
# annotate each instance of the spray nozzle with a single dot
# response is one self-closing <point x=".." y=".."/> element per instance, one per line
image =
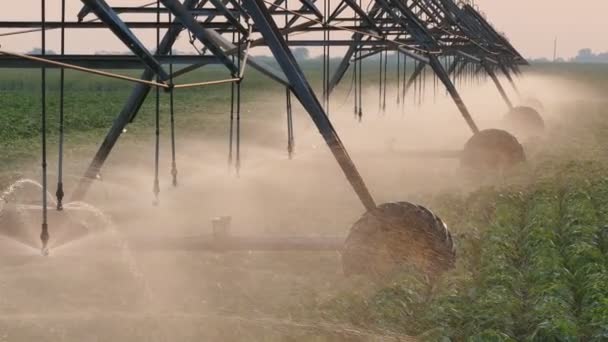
<point x="44" y="238"/>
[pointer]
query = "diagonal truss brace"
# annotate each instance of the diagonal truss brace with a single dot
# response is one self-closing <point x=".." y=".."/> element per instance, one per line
<point x="126" y="115"/>
<point x="202" y="34"/>
<point x="105" y="13"/>
<point x="266" y="25"/>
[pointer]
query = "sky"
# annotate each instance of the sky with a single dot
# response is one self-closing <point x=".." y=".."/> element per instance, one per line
<point x="531" y="25"/>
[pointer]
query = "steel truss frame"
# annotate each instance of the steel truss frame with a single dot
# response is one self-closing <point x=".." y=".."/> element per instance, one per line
<point x="435" y="33"/>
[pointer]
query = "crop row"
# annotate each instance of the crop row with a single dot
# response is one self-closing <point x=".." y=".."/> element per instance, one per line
<point x="587" y="261"/>
<point x="542" y="272"/>
<point x="549" y="295"/>
<point x="498" y="302"/>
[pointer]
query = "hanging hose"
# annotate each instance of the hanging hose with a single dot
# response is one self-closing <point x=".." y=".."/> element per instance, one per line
<point x="238" y="108"/>
<point x="60" y="193"/>
<point x="290" y="138"/>
<point x="156" y="187"/>
<point x="422" y="91"/>
<point x="384" y="85"/>
<point x="238" y="128"/>
<point x="232" y="98"/>
<point x="435" y="86"/>
<point x="404" y="85"/>
<point x="326" y="54"/>
<point x="172" y="115"/>
<point x="359" y="80"/>
<point x="355" y="74"/>
<point x="398" y="76"/>
<point x="44" y="234"/>
<point x="356" y="83"/>
<point x="380" y="66"/>
<point x="416" y="81"/>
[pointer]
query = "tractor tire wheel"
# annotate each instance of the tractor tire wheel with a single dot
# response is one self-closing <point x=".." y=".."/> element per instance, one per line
<point x="492" y="149"/>
<point x="524" y="121"/>
<point x="398" y="235"/>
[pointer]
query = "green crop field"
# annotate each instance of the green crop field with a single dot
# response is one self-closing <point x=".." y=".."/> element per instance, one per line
<point x="532" y="243"/>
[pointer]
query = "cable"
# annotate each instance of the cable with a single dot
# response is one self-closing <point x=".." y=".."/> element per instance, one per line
<point x="238" y="108"/>
<point x="290" y="138"/>
<point x="380" y="65"/>
<point x="44" y="234"/>
<point x="404" y="85"/>
<point x="156" y="187"/>
<point x="416" y="81"/>
<point x="360" y="85"/>
<point x="422" y="92"/>
<point x="356" y="83"/>
<point x="359" y="80"/>
<point x="435" y="87"/>
<point x="385" y="77"/>
<point x="172" y="114"/>
<point x="87" y="70"/>
<point x="398" y="77"/>
<point x="60" y="193"/>
<point x="232" y="99"/>
<point x="324" y="55"/>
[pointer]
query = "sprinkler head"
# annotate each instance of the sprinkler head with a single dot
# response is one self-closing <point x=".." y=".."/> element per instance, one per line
<point x="174" y="174"/>
<point x="60" y="195"/>
<point x="44" y="238"/>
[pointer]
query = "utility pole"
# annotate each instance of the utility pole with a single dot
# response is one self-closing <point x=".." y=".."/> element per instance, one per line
<point x="555" y="50"/>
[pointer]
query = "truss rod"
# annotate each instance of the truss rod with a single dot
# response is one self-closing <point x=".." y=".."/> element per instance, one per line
<point x="122" y="77"/>
<point x="87" y="70"/>
<point x="307" y="98"/>
<point x="103" y="11"/>
<point x="127" y="114"/>
<point x="398" y="45"/>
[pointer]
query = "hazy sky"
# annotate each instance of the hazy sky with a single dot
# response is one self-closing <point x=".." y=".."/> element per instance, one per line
<point x="531" y="25"/>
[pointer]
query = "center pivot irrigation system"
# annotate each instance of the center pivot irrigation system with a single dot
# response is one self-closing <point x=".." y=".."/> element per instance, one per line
<point x="450" y="38"/>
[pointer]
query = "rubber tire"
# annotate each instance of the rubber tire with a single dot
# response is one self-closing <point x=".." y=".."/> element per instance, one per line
<point x="492" y="149"/>
<point x="398" y="235"/>
<point x="524" y="121"/>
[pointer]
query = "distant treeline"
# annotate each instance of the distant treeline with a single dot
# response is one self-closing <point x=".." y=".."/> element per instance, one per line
<point x="584" y="56"/>
<point x="302" y="54"/>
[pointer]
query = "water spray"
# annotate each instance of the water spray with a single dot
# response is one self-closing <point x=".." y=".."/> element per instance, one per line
<point x="450" y="30"/>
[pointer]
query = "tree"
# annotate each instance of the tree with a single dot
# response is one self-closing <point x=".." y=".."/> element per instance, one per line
<point x="301" y="53"/>
<point x="38" y="51"/>
<point x="587" y="56"/>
